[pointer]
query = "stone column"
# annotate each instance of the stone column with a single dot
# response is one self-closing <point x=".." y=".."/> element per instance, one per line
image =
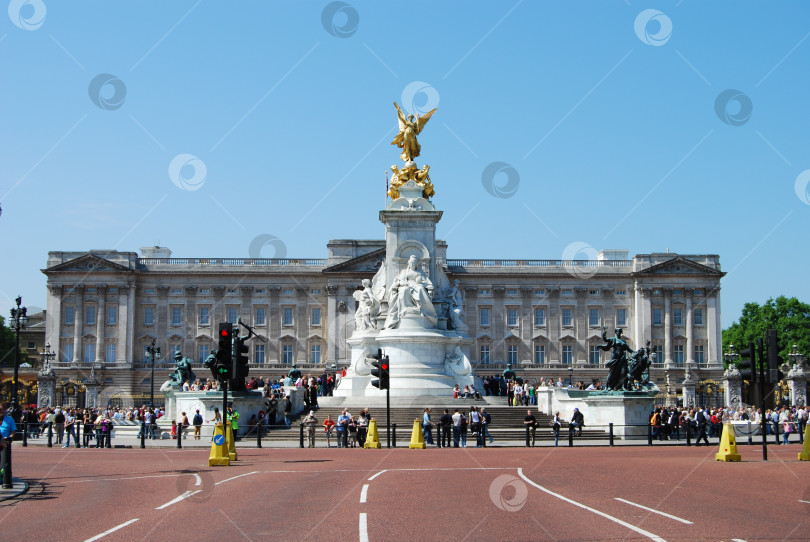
<point x="332" y="329"/>
<point x="53" y="322"/>
<point x="218" y="310"/>
<point x="712" y="329"/>
<point x="101" y="324"/>
<point x="122" y="326"/>
<point x="690" y="335"/>
<point x="553" y="324"/>
<point x="526" y="326"/>
<point x="190" y="327"/>
<point x="78" y="321"/>
<point x="638" y="326"/>
<point x="301" y="321"/>
<point x="498" y="327"/>
<point x="163" y="318"/>
<point x="733" y="385"/>
<point x="581" y="318"/>
<point x="46" y="386"/>
<point x="689" y="394"/>
<point x="797" y="384"/>
<point x="667" y="326"/>
<point x="273" y="351"/>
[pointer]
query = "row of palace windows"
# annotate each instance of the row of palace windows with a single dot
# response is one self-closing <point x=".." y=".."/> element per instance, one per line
<point x="203" y="350"/>
<point x="677" y="316"/>
<point x="594" y="316"/>
<point x="176" y="315"/>
<point x="594" y="354"/>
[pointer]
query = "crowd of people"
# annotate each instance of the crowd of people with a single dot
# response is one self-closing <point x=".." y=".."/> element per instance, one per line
<point x="704" y="423"/>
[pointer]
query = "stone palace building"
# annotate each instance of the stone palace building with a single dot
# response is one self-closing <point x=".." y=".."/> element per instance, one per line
<point x="545" y="317"/>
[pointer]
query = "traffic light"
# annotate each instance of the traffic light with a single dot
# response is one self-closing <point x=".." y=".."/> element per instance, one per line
<point x="241" y="368"/>
<point x="224" y="360"/>
<point x="380" y="370"/>
<point x="772" y="356"/>
<point x="747" y="365"/>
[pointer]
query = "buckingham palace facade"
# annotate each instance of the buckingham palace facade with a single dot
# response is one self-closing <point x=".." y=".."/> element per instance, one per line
<point x="545" y="317"/>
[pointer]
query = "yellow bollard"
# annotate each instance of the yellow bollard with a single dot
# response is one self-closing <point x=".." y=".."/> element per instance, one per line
<point x="728" y="445"/>
<point x="372" y="439"/>
<point x="417" y="438"/>
<point x="219" y="453"/>
<point x="231" y="443"/>
<point x="804" y="455"/>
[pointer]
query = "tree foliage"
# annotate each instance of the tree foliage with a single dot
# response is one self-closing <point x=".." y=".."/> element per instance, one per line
<point x="8" y="342"/>
<point x="788" y="316"/>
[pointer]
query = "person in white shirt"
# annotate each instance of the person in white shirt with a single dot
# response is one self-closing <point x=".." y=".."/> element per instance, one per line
<point x="456" y="428"/>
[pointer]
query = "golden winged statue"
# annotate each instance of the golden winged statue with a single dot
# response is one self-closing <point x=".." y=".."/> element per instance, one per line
<point x="409" y="128"/>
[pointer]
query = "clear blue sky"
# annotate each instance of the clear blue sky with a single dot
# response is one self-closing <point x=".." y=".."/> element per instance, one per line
<point x="610" y="123"/>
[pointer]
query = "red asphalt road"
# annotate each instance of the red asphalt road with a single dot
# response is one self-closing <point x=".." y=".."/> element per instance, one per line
<point x="433" y="494"/>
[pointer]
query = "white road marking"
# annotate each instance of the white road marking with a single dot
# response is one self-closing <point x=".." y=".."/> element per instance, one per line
<point x="363" y="527"/>
<point x="198" y="480"/>
<point x="364" y="494"/>
<point x="805" y="502"/>
<point x="737" y="540"/>
<point x="654" y="511"/>
<point x="235" y="477"/>
<point x="379" y="473"/>
<point x="105" y="533"/>
<point x="425" y="469"/>
<point x="176" y="500"/>
<point x="127" y="478"/>
<point x="632" y="527"/>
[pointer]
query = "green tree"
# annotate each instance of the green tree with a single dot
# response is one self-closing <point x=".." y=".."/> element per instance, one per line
<point x="788" y="316"/>
<point x="8" y="342"/>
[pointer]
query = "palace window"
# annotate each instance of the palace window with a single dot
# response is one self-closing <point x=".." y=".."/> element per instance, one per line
<point x="112" y="315"/>
<point x="67" y="352"/>
<point x="698" y="314"/>
<point x="699" y="354"/>
<point x="205" y="316"/>
<point x="110" y="357"/>
<point x="260" y="317"/>
<point x="539" y="317"/>
<point x="315" y="317"/>
<point x="149" y="290"/>
<point x="69" y="315"/>
<point x="657" y="319"/>
<point x="177" y="291"/>
<point x="90" y="314"/>
<point x="679" y="354"/>
<point x="594" y="355"/>
<point x="568" y="354"/>
<point x="593" y="317"/>
<point x="287" y="354"/>
<point x="621" y="317"/>
<point x="89" y="353"/>
<point x="148" y="316"/>
<point x="484" y="353"/>
<point x="203" y="351"/>
<point x="484" y="317"/>
<point x="539" y="354"/>
<point x="315" y="353"/>
<point x="511" y="317"/>
<point x="287" y="316"/>
<point x="176" y="316"/>
<point x="658" y="350"/>
<point x="677" y="317"/>
<point x="566" y="317"/>
<point x="233" y="315"/>
<point x="513" y="354"/>
<point x="258" y="354"/>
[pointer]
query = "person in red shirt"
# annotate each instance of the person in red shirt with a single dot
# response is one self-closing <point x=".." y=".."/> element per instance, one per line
<point x="328" y="427"/>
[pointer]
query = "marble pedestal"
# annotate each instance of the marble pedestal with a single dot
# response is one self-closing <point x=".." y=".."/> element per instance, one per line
<point x="418" y="363"/>
<point x="629" y="411"/>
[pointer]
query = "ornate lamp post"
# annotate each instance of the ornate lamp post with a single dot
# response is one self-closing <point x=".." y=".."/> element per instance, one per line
<point x="794" y="355"/>
<point x="153" y="353"/>
<point x="19" y="319"/>
<point x="731" y="356"/>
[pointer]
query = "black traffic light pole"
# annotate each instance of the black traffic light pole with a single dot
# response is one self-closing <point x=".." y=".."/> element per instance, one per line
<point x="763" y="423"/>
<point x="388" y="405"/>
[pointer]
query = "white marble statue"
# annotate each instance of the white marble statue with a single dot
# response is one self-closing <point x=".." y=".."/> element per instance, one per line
<point x="369" y="301"/>
<point x="456" y="312"/>
<point x="361" y="364"/>
<point x="410" y="293"/>
<point x="457" y="364"/>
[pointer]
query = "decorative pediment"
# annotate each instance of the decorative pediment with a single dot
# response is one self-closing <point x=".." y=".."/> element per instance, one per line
<point x="175" y="337"/>
<point x="594" y="337"/>
<point x="568" y="337"/>
<point x="203" y="337"/>
<point x="88" y="263"/>
<point x="147" y="337"/>
<point x="540" y="337"/>
<point x="315" y="337"/>
<point x="484" y="337"/>
<point x="367" y="263"/>
<point x="679" y="266"/>
<point x="288" y="338"/>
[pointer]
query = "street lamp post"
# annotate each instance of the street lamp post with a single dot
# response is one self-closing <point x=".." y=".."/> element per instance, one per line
<point x="154" y="354"/>
<point x="19" y="319"/>
<point x="47" y="355"/>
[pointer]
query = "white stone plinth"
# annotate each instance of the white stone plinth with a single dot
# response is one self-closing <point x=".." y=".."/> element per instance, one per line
<point x="629" y="412"/>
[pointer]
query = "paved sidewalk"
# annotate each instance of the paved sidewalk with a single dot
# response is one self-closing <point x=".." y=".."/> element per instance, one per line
<point x="20" y="487"/>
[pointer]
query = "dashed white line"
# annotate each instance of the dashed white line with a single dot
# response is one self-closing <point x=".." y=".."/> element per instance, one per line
<point x="235" y="477"/>
<point x="630" y="526"/>
<point x="105" y="533"/>
<point x="654" y="511"/>
<point x="805" y="502"/>
<point x="198" y="481"/>
<point x="363" y="527"/>
<point x="379" y="473"/>
<point x="176" y="500"/>
<point x="737" y="540"/>
<point x="364" y="494"/>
